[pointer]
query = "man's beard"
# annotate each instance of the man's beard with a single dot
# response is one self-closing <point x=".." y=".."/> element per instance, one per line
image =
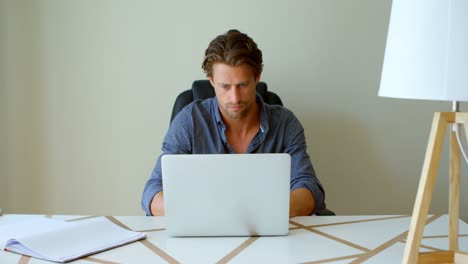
<point x="236" y="114"/>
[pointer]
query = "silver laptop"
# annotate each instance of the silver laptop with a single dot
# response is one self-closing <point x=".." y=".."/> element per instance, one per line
<point x="226" y="194"/>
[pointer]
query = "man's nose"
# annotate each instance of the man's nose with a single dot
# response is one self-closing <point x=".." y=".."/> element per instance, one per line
<point x="235" y="94"/>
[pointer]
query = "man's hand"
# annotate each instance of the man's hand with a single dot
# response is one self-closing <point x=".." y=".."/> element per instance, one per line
<point x="157" y="204"/>
<point x="301" y="202"/>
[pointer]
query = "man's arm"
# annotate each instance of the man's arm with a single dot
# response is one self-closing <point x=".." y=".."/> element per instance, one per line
<point x="301" y="202"/>
<point x="307" y="195"/>
<point x="157" y="204"/>
<point x="176" y="141"/>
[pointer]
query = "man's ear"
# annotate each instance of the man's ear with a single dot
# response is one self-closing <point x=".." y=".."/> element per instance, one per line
<point x="258" y="78"/>
<point x="211" y="80"/>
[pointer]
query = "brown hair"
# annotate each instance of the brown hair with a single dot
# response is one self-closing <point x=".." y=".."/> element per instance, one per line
<point x="233" y="48"/>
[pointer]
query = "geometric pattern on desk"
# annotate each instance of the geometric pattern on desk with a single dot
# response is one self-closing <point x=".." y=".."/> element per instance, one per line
<point x="440" y="227"/>
<point x="346" y="261"/>
<point x="371" y="246"/>
<point x="195" y="250"/>
<point x="387" y="255"/>
<point x="434" y="238"/>
<point x="369" y="234"/>
<point x="427" y="244"/>
<point x="131" y="253"/>
<point x="148" y="224"/>
<point x="278" y="249"/>
<point x="327" y="220"/>
<point x="442" y="243"/>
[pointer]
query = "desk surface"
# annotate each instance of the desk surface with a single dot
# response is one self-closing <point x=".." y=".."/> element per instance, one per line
<point x="315" y="239"/>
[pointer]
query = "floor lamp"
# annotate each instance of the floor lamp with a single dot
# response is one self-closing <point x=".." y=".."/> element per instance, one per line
<point x="426" y="57"/>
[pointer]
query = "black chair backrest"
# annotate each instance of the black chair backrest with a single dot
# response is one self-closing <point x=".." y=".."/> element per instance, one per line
<point x="202" y="89"/>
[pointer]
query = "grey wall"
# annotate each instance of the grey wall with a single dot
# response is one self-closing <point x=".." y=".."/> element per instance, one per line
<point x="91" y="84"/>
<point x="24" y="126"/>
<point x="3" y="113"/>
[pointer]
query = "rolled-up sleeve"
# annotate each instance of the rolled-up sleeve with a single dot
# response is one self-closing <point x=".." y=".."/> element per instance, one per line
<point x="302" y="172"/>
<point x="178" y="140"/>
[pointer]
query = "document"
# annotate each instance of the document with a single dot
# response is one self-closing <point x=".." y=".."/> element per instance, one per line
<point x="60" y="241"/>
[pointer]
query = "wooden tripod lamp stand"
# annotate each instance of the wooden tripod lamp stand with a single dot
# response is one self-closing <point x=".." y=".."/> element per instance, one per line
<point x="426" y="57"/>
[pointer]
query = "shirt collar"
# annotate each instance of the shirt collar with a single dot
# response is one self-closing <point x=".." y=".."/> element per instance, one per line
<point x="216" y="112"/>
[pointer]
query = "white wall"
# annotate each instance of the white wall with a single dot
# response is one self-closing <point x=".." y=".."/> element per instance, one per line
<point x="91" y="85"/>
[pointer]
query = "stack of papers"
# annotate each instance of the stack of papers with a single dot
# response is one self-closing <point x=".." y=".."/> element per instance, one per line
<point x="60" y="241"/>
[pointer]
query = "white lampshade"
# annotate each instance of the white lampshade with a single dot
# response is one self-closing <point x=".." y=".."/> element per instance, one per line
<point x="426" y="56"/>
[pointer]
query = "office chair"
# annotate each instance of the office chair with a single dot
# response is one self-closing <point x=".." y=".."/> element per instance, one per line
<point x="202" y="89"/>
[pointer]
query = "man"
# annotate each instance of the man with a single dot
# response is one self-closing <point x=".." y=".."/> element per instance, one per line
<point x="238" y="121"/>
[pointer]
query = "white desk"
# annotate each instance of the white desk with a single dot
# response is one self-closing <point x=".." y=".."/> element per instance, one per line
<point x="315" y="239"/>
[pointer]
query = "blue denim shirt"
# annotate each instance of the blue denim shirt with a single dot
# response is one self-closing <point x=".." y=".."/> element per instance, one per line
<point x="199" y="129"/>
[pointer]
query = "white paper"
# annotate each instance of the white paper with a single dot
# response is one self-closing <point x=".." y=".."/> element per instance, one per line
<point x="64" y="242"/>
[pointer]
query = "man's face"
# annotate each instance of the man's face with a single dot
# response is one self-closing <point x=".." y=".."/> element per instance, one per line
<point x="235" y="88"/>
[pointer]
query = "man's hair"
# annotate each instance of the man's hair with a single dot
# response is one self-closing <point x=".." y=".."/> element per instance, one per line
<point x="233" y="48"/>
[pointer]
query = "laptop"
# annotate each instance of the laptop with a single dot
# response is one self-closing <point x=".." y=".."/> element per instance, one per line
<point x="226" y="194"/>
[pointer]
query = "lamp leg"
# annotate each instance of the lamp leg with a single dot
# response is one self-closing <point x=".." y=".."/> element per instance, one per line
<point x="454" y="190"/>
<point x="466" y="129"/>
<point x="426" y="186"/>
